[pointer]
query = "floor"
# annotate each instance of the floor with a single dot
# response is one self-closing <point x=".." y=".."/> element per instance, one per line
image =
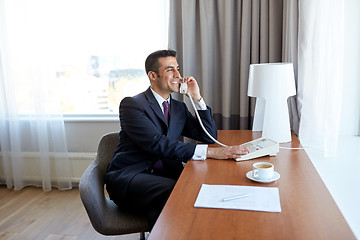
<point x="32" y="214"/>
<point x="341" y="175"/>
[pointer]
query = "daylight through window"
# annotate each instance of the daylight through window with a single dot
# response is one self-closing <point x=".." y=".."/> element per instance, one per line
<point x="92" y="51"/>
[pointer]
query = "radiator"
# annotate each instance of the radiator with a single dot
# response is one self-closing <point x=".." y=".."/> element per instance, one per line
<point x="31" y="170"/>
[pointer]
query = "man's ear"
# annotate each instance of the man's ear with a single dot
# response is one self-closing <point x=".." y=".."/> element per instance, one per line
<point x="152" y="75"/>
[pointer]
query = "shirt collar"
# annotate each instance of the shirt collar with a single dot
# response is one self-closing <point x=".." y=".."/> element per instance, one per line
<point x="159" y="98"/>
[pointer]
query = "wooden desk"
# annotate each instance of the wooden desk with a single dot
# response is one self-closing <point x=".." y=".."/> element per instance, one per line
<point x="308" y="210"/>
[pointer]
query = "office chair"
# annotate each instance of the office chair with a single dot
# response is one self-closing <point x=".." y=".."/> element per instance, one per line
<point x="105" y="216"/>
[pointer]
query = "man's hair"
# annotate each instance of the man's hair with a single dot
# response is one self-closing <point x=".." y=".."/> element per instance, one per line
<point x="152" y="63"/>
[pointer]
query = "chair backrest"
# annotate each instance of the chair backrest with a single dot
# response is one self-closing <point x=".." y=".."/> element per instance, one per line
<point x="104" y="214"/>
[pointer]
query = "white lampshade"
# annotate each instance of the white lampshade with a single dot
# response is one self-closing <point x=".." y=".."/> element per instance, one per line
<point x="272" y="84"/>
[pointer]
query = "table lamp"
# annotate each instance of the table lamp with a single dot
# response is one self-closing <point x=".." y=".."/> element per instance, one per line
<point x="272" y="84"/>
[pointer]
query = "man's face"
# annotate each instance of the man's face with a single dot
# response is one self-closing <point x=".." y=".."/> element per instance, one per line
<point x="167" y="79"/>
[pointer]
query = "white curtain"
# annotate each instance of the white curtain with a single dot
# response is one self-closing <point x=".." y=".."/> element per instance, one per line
<point x="32" y="134"/>
<point x="320" y="73"/>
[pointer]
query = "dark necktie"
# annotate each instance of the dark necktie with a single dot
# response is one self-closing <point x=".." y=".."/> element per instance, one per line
<point x="166" y="111"/>
<point x="159" y="165"/>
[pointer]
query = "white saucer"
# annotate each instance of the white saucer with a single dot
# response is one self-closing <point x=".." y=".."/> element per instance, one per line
<point x="275" y="177"/>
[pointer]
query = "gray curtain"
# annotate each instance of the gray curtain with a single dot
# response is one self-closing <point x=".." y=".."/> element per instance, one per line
<point x="290" y="54"/>
<point x="217" y="40"/>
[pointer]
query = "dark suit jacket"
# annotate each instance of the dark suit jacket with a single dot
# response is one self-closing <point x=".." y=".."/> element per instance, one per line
<point x="145" y="138"/>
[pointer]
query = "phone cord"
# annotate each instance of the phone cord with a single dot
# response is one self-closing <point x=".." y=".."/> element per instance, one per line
<point x="201" y="124"/>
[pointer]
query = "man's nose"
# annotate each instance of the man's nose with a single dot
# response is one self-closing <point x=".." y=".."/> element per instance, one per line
<point x="177" y="74"/>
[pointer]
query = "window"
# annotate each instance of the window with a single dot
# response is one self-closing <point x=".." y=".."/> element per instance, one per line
<point x="93" y="51"/>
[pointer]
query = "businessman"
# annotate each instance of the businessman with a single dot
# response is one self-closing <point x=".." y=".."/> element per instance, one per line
<point x="149" y="158"/>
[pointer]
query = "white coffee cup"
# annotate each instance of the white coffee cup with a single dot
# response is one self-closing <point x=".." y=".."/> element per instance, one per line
<point x="263" y="170"/>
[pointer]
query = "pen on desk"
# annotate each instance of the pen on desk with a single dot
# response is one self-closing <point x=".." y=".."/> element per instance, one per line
<point x="236" y="197"/>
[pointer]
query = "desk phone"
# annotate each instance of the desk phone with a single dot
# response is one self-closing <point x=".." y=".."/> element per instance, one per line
<point x="260" y="147"/>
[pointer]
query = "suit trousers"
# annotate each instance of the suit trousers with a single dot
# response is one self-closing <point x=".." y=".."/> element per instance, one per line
<point x="147" y="193"/>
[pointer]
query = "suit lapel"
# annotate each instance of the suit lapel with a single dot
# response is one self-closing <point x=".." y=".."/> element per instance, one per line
<point x="176" y="118"/>
<point x="155" y="105"/>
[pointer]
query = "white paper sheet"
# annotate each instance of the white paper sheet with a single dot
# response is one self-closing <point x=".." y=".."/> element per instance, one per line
<point x="265" y="199"/>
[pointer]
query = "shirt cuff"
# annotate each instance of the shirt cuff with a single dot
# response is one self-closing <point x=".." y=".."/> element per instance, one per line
<point x="200" y="152"/>
<point x="201" y="105"/>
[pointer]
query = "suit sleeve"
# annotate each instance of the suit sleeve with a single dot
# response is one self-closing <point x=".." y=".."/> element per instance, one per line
<point x="193" y="129"/>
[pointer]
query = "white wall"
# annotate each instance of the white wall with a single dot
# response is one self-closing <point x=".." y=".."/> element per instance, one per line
<point x="84" y="135"/>
<point x="350" y="117"/>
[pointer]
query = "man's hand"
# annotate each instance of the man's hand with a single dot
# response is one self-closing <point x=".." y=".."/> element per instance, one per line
<point x="193" y="88"/>
<point x="231" y="152"/>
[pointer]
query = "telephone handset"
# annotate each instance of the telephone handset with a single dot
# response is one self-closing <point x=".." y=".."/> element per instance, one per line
<point x="258" y="148"/>
<point x="183" y="88"/>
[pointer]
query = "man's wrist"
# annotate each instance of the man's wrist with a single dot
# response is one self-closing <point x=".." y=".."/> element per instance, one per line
<point x="200" y="105"/>
<point x="210" y="152"/>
